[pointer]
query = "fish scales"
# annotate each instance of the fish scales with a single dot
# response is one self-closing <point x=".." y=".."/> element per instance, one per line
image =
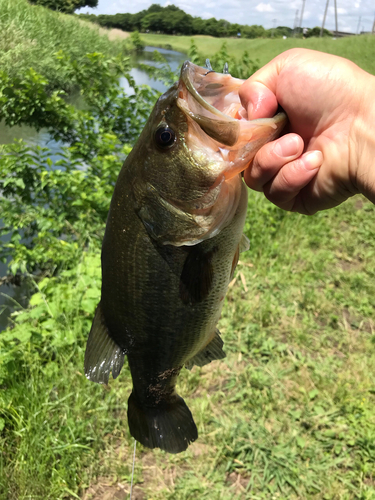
<point x="172" y="240"/>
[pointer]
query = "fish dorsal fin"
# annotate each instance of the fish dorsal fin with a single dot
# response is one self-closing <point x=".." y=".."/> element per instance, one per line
<point x="213" y="350"/>
<point x="102" y="355"/>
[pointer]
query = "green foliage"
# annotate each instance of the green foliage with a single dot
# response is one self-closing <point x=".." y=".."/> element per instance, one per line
<point x="109" y="108"/>
<point x="66" y="6"/>
<point x="53" y="209"/>
<point x="161" y="71"/>
<point x="316" y="32"/>
<point x="193" y="53"/>
<point x="52" y="419"/>
<point x="59" y="205"/>
<point x="137" y="42"/>
<point x="239" y="68"/>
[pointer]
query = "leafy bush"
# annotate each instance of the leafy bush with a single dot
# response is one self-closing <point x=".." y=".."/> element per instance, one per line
<point x="53" y="207"/>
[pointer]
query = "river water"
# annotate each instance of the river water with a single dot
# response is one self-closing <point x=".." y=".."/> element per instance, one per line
<point x="12" y="296"/>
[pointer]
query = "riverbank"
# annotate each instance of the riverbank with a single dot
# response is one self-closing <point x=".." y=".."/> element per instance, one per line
<point x="359" y="49"/>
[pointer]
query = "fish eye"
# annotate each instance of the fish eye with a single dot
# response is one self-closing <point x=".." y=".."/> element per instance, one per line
<point x="165" y="136"/>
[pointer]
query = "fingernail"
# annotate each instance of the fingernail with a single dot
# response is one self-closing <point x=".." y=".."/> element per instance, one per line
<point x="312" y="160"/>
<point x="287" y="146"/>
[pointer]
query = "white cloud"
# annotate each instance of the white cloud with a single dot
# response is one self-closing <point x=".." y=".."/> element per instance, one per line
<point x="264" y="7"/>
<point x="207" y="15"/>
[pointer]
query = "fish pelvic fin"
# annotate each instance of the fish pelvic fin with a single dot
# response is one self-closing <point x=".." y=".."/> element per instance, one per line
<point x="212" y="351"/>
<point x="102" y="355"/>
<point x="170" y="426"/>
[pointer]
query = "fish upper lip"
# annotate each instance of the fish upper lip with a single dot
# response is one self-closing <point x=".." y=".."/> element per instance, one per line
<point x="218" y="125"/>
<point x="186" y="69"/>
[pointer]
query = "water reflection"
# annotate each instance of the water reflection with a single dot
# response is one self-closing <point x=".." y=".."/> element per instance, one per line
<point x="11" y="295"/>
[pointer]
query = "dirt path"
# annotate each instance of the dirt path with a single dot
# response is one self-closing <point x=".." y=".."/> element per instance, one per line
<point x="114" y="33"/>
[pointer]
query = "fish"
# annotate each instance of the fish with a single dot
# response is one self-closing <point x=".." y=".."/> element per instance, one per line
<point x="172" y="241"/>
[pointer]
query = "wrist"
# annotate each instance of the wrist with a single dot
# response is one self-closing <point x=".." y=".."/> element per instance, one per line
<point x="362" y="154"/>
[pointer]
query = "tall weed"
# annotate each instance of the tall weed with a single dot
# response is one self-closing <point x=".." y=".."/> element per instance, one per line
<point x="31" y="35"/>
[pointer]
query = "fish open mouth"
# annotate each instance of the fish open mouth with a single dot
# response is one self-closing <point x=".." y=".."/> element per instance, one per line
<point x="211" y="102"/>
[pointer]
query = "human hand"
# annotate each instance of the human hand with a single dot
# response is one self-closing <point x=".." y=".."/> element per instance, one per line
<point x="328" y="152"/>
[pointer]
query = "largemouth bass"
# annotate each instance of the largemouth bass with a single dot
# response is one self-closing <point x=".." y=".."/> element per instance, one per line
<point x="172" y="240"/>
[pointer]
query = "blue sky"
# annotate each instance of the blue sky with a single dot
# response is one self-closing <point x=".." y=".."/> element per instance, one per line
<point x="266" y="13"/>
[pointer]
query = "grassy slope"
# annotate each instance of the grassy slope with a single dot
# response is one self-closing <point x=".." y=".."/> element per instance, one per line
<point x="31" y="35"/>
<point x="359" y="49"/>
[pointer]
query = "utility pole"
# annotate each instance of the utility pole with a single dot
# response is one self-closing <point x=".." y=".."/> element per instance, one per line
<point x="359" y="22"/>
<point x="373" y="27"/>
<point x="337" y="30"/>
<point x="274" y="26"/>
<point x="296" y="23"/>
<point x="324" y="19"/>
<point x="301" y="18"/>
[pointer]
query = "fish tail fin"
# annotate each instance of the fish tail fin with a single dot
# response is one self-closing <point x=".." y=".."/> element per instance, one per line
<point x="169" y="427"/>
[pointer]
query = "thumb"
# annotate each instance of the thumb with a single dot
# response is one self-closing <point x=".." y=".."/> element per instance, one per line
<point x="258" y="93"/>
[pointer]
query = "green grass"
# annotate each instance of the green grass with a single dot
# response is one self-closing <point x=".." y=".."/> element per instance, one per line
<point x="31" y="35"/>
<point x="289" y="414"/>
<point x="360" y="49"/>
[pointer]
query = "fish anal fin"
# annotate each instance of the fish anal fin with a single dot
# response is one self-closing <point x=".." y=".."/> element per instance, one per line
<point x="213" y="350"/>
<point x="169" y="426"/>
<point x="235" y="261"/>
<point x="243" y="246"/>
<point x="197" y="275"/>
<point x="244" y="243"/>
<point x="102" y="355"/>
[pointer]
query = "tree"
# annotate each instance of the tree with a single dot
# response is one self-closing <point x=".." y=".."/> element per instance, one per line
<point x="254" y="31"/>
<point x="66" y="6"/>
<point x="316" y="32"/>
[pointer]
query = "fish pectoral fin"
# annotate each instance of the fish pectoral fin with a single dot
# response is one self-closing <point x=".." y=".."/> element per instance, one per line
<point x="197" y="275"/>
<point x="212" y="351"/>
<point x="165" y="223"/>
<point x="169" y="426"/>
<point x="102" y="355"/>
